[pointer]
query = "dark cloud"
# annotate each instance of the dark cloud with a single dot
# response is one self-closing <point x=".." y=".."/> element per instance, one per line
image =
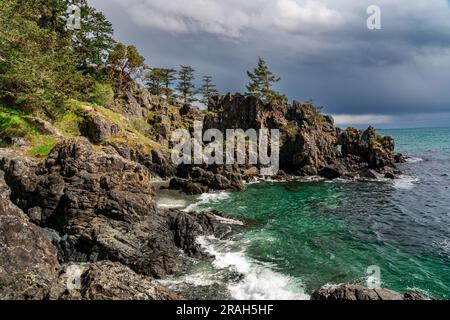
<point x="321" y="49"/>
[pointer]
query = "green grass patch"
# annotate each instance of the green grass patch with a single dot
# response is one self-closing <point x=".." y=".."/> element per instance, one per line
<point x="102" y="94"/>
<point x="14" y="124"/>
<point x="69" y="124"/>
<point x="42" y="146"/>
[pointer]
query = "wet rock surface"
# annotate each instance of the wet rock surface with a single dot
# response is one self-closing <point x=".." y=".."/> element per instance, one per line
<point x="102" y="207"/>
<point x="106" y="280"/>
<point x="357" y="292"/>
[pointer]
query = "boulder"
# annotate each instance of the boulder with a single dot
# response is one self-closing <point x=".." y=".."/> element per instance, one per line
<point x="357" y="292"/>
<point x="108" y="280"/>
<point x="369" y="174"/>
<point x="97" y="128"/>
<point x="193" y="179"/>
<point x="44" y="127"/>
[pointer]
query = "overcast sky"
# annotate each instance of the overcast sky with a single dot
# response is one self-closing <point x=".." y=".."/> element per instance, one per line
<point x="398" y="76"/>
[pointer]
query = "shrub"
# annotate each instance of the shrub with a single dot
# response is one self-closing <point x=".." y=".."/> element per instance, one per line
<point x="102" y="94"/>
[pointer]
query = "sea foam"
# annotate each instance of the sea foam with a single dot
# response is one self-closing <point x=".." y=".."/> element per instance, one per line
<point x="259" y="280"/>
<point x="206" y="198"/>
<point x="405" y="182"/>
<point x="413" y="160"/>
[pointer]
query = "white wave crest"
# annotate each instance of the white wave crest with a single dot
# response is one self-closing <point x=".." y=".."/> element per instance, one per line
<point x="260" y="281"/>
<point x="171" y="203"/>
<point x="206" y="198"/>
<point x="413" y="160"/>
<point x="405" y="182"/>
<point x="196" y="279"/>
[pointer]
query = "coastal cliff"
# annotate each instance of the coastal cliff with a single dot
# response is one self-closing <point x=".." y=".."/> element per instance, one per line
<point x="85" y="213"/>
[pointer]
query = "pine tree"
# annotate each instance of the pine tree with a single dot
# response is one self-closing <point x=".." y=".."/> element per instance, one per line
<point x="93" y="42"/>
<point x="261" y="82"/>
<point x="155" y="81"/>
<point x="170" y="75"/>
<point x="185" y="87"/>
<point x="127" y="62"/>
<point x="207" y="90"/>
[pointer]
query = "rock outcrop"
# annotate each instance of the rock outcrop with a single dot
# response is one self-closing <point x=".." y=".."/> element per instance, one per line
<point x="98" y="129"/>
<point x="357" y="292"/>
<point x="29" y="264"/>
<point x="310" y="142"/>
<point x="201" y="179"/>
<point x="106" y="280"/>
<point x="102" y="208"/>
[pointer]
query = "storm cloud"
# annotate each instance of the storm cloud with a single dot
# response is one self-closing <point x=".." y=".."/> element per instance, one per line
<point x="398" y="76"/>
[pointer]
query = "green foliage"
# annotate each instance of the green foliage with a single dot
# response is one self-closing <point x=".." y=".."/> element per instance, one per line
<point x="14" y="124"/>
<point x="186" y="86"/>
<point x="37" y="66"/>
<point x="261" y="82"/>
<point x="159" y="82"/>
<point x="155" y="81"/>
<point x="291" y="129"/>
<point x="42" y="146"/>
<point x="69" y="124"/>
<point x="151" y="115"/>
<point x="207" y="90"/>
<point x="139" y="125"/>
<point x="170" y="75"/>
<point x="102" y="94"/>
<point x="93" y="42"/>
<point x="126" y="62"/>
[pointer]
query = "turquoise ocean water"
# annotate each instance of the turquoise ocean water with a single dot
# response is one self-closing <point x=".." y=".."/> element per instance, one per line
<point x="327" y="233"/>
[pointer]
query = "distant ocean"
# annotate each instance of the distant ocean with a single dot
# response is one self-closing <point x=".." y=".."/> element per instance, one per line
<point x="327" y="233"/>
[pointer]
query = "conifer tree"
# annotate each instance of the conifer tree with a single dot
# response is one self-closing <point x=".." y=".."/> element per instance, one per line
<point x="186" y="87"/>
<point x="261" y="82"/>
<point x="170" y="75"/>
<point x="127" y="61"/>
<point x="207" y="89"/>
<point x="155" y="81"/>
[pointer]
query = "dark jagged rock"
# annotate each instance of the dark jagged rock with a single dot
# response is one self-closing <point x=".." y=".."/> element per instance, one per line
<point x="29" y="265"/>
<point x="106" y="280"/>
<point x="112" y="281"/>
<point x="187" y="186"/>
<point x="357" y="292"/>
<point x="200" y="179"/>
<point x="368" y="147"/>
<point x="310" y="142"/>
<point x="97" y="128"/>
<point x="369" y="174"/>
<point x="102" y="207"/>
<point x="400" y="158"/>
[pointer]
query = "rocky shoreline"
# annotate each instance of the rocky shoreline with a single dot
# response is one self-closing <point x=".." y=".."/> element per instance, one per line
<point x="83" y="222"/>
<point x="94" y="210"/>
